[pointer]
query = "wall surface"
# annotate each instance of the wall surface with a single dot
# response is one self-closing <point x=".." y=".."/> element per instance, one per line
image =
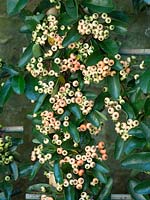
<point x="11" y="43"/>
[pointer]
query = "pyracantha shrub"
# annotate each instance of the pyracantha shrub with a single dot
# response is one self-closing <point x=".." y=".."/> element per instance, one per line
<point x="74" y="74"/>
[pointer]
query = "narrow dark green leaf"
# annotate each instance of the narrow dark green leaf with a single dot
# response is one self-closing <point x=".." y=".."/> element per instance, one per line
<point x="110" y="46"/>
<point x="25" y="170"/>
<point x="35" y="169"/>
<point x="144" y="81"/>
<point x="137" y="132"/>
<point x="133" y="144"/>
<point x="39" y="102"/>
<point x="70" y="193"/>
<point x="14" y="169"/>
<point x="72" y="36"/>
<point x="93" y="118"/>
<point x="58" y="173"/>
<point x="101" y="177"/>
<point x="36" y="50"/>
<point x="119" y="148"/>
<point x="131" y="187"/>
<point x="8" y="189"/>
<point x="74" y="132"/>
<point x="18" y="84"/>
<point x="99" y="5"/>
<point x="37" y="187"/>
<point x="94" y="58"/>
<point x="66" y="20"/>
<point x="146" y="130"/>
<point x="15" y="6"/>
<point x="72" y="8"/>
<point x="114" y="86"/>
<point x="106" y="191"/>
<point x="143" y="187"/>
<point x="75" y="109"/>
<point x="128" y="110"/>
<point x="30" y="83"/>
<point x="100" y="166"/>
<point x="139" y="161"/>
<point x="5" y="92"/>
<point x="26" y="56"/>
<point x="147" y="107"/>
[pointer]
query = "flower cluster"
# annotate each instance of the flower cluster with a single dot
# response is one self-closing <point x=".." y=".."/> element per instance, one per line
<point x="98" y="72"/>
<point x="113" y="108"/>
<point x="6" y="156"/>
<point x="88" y="126"/>
<point x="84" y="49"/>
<point x="72" y="64"/>
<point x="45" y="88"/>
<point x="82" y="162"/>
<point x="122" y="128"/>
<point x="49" y="123"/>
<point x="38" y="153"/>
<point x="48" y="28"/>
<point x="67" y="94"/>
<point x="126" y="69"/>
<point x="40" y="68"/>
<point x="97" y="25"/>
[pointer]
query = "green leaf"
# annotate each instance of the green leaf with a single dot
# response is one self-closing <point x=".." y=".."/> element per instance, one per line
<point x="18" y="84"/>
<point x="75" y="110"/>
<point x="14" y="169"/>
<point x="100" y="166"/>
<point x="37" y="187"/>
<point x="133" y="144"/>
<point x="94" y="58"/>
<point x="101" y="177"/>
<point x="72" y="36"/>
<point x="30" y="83"/>
<point x="25" y="170"/>
<point x="143" y="187"/>
<point x="9" y="70"/>
<point x="117" y="66"/>
<point x="128" y="110"/>
<point x="34" y="171"/>
<point x="99" y="5"/>
<point x="102" y="117"/>
<point x="131" y="187"/>
<point x="74" y="132"/>
<point x="99" y="101"/>
<point x="66" y="20"/>
<point x="39" y="102"/>
<point x="93" y="118"/>
<point x="147" y="107"/>
<point x="106" y="191"/>
<point x="72" y="8"/>
<point x="8" y="189"/>
<point x="119" y="148"/>
<point x="139" y="161"/>
<point x="146" y="130"/>
<point x="33" y="20"/>
<point x="15" y="6"/>
<point x="137" y="132"/>
<point x="36" y="50"/>
<point x="110" y="46"/>
<point x="5" y="92"/>
<point x="144" y="81"/>
<point x="69" y="193"/>
<point x="58" y="173"/>
<point x="114" y="86"/>
<point x="26" y="56"/>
